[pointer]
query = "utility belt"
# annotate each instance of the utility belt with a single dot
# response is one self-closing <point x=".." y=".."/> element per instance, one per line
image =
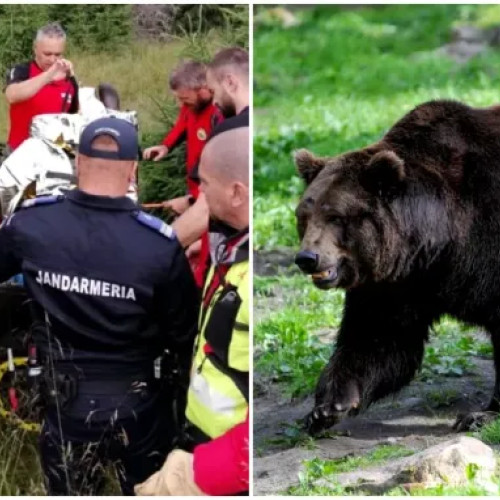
<point x="77" y="396"/>
<point x="77" y="390"/>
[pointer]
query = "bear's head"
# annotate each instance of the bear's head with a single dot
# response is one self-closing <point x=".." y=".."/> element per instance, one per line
<point x="365" y="218"/>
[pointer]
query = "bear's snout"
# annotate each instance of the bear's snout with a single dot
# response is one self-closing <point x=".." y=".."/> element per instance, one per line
<point x="307" y="261"/>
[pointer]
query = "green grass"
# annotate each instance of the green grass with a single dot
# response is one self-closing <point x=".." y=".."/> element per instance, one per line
<point x="490" y="433"/>
<point x="442" y="397"/>
<point x="451" y="355"/>
<point x="316" y="469"/>
<point x="19" y="460"/>
<point x="340" y="79"/>
<point x="287" y="349"/>
<point x="443" y="490"/>
<point x="290" y="312"/>
<point x="293" y="436"/>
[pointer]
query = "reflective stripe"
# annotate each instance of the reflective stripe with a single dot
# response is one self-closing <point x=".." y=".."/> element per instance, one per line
<point x="215" y="405"/>
<point x="209" y="397"/>
<point x="155" y="223"/>
<point x="216" y="400"/>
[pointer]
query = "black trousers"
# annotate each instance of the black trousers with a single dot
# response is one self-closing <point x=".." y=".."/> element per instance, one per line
<point x="135" y="438"/>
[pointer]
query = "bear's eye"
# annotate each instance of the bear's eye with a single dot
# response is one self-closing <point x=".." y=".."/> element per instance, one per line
<point x="335" y="219"/>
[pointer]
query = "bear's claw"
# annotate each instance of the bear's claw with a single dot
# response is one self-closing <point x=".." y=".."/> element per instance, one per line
<point x="321" y="418"/>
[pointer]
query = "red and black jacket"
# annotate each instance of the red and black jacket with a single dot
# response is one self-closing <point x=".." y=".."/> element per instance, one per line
<point x="55" y="97"/>
<point x="195" y="128"/>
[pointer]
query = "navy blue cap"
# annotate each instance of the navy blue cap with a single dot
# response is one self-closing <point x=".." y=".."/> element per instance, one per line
<point x="122" y="131"/>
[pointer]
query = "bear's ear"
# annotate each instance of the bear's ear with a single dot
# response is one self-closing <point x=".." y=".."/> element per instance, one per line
<point x="384" y="174"/>
<point x="308" y="165"/>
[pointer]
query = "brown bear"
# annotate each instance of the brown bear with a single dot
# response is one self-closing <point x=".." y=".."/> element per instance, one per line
<point x="410" y="228"/>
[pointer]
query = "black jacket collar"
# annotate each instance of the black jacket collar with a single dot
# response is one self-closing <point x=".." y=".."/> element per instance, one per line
<point x="101" y="202"/>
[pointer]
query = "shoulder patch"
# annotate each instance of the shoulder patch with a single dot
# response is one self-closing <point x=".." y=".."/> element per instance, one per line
<point x="154" y="223"/>
<point x="41" y="200"/>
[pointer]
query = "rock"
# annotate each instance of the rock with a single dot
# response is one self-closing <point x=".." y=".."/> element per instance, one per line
<point x="470" y="34"/>
<point x="278" y="261"/>
<point x="452" y="463"/>
<point x="260" y="385"/>
<point x="461" y="51"/>
<point x="392" y="440"/>
<point x="468" y="42"/>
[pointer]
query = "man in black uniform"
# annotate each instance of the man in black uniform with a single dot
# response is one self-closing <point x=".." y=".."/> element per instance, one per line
<point x="111" y="289"/>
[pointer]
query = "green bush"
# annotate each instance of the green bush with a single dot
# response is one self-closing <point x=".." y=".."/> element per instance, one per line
<point x="94" y="28"/>
<point x="232" y="19"/>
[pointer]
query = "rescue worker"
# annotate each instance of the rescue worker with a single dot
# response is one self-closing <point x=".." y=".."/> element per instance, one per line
<point x="228" y="79"/>
<point x="197" y="118"/>
<point x="111" y="289"/>
<point x="214" y="459"/>
<point x="45" y="85"/>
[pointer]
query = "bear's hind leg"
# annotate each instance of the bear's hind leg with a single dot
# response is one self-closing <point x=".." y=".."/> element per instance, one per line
<point x="472" y="421"/>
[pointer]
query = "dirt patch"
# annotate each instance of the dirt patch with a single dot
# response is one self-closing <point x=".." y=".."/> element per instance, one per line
<point x="418" y="417"/>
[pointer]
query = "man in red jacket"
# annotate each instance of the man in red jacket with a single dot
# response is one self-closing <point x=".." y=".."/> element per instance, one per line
<point x="197" y="117"/>
<point x="44" y="85"/>
<point x="228" y="79"/>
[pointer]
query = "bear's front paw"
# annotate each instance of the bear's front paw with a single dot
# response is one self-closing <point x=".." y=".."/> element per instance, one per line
<point x="321" y="418"/>
<point x="473" y="421"/>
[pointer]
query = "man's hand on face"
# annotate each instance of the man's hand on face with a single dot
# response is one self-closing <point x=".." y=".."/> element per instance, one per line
<point x="60" y="70"/>
<point x="155" y="153"/>
<point x="177" y="205"/>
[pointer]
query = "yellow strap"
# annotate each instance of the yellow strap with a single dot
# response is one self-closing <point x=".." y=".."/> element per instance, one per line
<point x="8" y="414"/>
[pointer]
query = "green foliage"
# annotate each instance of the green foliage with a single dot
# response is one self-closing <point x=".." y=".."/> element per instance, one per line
<point x="487" y="17"/>
<point x="452" y="353"/>
<point x="95" y="28"/>
<point x="278" y="226"/>
<point x="292" y="313"/>
<point x="293" y="435"/>
<point x="340" y="79"/>
<point x="231" y="20"/>
<point x="18" y="25"/>
<point x="289" y="353"/>
<point x="325" y="470"/>
<point x="490" y="433"/>
<point x="19" y="460"/>
<point x="163" y="180"/>
<point x="443" y="490"/>
<point x="287" y="349"/>
<point x="442" y="397"/>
